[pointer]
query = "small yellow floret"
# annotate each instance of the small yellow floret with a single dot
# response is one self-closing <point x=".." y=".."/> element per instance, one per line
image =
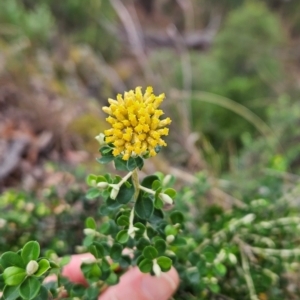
<point x="135" y="125"/>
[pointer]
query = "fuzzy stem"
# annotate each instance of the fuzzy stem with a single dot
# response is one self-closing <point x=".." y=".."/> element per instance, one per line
<point x="248" y="278"/>
<point x="136" y="184"/>
<point x="149" y="191"/>
<point x="125" y="178"/>
<point x="283" y="253"/>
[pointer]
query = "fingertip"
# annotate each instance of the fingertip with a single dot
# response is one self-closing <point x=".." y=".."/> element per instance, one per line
<point x="73" y="269"/>
<point x="135" y="285"/>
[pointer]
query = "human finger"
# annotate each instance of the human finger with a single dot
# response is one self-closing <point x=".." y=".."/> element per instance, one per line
<point x="73" y="271"/>
<point x="135" y="285"/>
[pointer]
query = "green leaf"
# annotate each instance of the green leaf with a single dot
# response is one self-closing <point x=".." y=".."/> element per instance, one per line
<point x="125" y="261"/>
<point x="125" y="194"/>
<point x="31" y="251"/>
<point x="116" y="251"/>
<point x="113" y="204"/>
<point x="112" y="279"/>
<point x="120" y="164"/>
<point x="201" y="266"/>
<point x="105" y="227"/>
<point x="179" y="241"/>
<point x="93" y="193"/>
<point x="170" y="230"/>
<point x="177" y="217"/>
<point x="91" y="271"/>
<point x="93" y="250"/>
<point x="105" y="265"/>
<point x="165" y="263"/>
<point x="151" y="232"/>
<point x="122" y="237"/>
<point x="11" y="259"/>
<point x="97" y="250"/>
<point x="104" y="210"/>
<point x="148" y="181"/>
<point x="134" y="162"/>
<point x="30" y="288"/>
<point x="91" y="292"/>
<point x="158" y="203"/>
<point x="215" y="288"/>
<point x="161" y="246"/>
<point x="158" y="148"/>
<point x="150" y="252"/>
<point x="139" y="162"/>
<point x="43" y="294"/>
<point x="157" y="216"/>
<point x="131" y="164"/>
<point x="105" y="150"/>
<point x="123" y="221"/>
<point x="77" y="290"/>
<point x="156" y="185"/>
<point x="44" y="266"/>
<point x="193" y="258"/>
<point x="103" y="248"/>
<point x="139" y="259"/>
<point x="90" y="223"/>
<point x="209" y="254"/>
<point x="193" y="276"/>
<point x="220" y="269"/>
<point x="145" y="265"/>
<point x="144" y="207"/>
<point x="105" y="159"/>
<point x="91" y="180"/>
<point x="13" y="275"/>
<point x="11" y="292"/>
<point x="171" y="192"/>
<point x="141" y="228"/>
<point x="142" y="243"/>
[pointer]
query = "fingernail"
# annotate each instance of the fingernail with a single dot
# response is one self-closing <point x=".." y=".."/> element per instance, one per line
<point x="158" y="288"/>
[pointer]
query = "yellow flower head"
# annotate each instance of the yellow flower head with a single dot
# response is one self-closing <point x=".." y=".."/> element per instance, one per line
<point x="136" y="128"/>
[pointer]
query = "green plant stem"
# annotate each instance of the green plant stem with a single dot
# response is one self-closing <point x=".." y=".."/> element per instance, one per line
<point x="125" y="178"/>
<point x="248" y="278"/>
<point x="283" y="253"/>
<point x="136" y="184"/>
<point x="149" y="191"/>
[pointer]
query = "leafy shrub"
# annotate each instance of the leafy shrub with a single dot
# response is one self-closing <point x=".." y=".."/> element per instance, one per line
<point x="26" y="217"/>
<point x="244" y="65"/>
<point x="228" y="250"/>
<point x="37" y="24"/>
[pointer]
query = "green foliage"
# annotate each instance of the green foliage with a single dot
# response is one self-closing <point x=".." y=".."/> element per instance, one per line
<point x="23" y="273"/>
<point x="25" y="217"/>
<point x="244" y="65"/>
<point x="228" y="248"/>
<point x="216" y="252"/>
<point x="87" y="21"/>
<point x="250" y="251"/>
<point x="37" y="25"/>
<point x="84" y="21"/>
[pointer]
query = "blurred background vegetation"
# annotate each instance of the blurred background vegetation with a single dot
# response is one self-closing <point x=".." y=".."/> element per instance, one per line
<point x="231" y="73"/>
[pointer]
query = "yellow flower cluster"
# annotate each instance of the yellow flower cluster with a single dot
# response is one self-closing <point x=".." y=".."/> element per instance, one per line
<point x="135" y="125"/>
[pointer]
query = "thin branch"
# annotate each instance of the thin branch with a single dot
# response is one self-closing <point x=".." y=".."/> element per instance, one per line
<point x="188" y="11"/>
<point x="248" y="278"/>
<point x="13" y="157"/>
<point x="283" y="253"/>
<point x="133" y="36"/>
<point x="186" y="67"/>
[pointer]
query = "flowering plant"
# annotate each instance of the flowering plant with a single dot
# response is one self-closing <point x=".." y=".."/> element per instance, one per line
<point x="136" y="231"/>
<point x="242" y="253"/>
